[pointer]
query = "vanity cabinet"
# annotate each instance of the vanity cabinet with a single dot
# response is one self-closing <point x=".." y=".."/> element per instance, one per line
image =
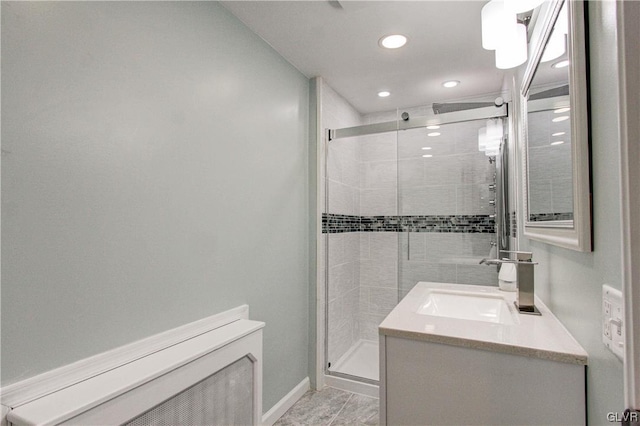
<point x="436" y="370"/>
<point x="425" y="383"/>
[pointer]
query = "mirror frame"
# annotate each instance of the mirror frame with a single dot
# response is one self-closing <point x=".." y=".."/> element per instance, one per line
<point x="576" y="235"/>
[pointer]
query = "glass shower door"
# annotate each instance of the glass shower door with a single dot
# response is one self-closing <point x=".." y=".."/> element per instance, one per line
<point x="362" y="249"/>
<point x="402" y="206"/>
<point x="446" y="192"/>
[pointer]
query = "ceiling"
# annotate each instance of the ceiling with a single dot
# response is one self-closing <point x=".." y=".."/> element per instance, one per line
<point x="339" y="42"/>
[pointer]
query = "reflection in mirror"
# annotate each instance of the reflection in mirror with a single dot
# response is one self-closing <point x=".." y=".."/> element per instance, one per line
<point x="549" y="157"/>
<point x="555" y="121"/>
<point x="549" y="151"/>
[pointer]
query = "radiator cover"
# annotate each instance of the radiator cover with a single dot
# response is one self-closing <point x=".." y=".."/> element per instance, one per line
<point x="212" y="378"/>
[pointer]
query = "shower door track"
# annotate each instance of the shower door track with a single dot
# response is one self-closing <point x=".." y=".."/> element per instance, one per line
<point x="424" y="121"/>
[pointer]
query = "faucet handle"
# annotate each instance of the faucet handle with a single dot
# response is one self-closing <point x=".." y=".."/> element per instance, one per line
<point x="520" y="255"/>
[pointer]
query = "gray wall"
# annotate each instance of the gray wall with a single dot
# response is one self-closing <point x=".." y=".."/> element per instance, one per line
<point x="571" y="282"/>
<point x="155" y="172"/>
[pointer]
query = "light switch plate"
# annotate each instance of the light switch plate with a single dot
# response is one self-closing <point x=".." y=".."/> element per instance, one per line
<point x="613" y="320"/>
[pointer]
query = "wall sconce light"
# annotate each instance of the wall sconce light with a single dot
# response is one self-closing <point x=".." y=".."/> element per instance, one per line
<point x="502" y="32"/>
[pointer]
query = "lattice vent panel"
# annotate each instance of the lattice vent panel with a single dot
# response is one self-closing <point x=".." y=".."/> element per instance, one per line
<point x="224" y="398"/>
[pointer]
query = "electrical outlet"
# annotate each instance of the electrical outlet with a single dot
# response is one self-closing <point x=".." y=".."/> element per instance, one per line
<point x="612" y="321"/>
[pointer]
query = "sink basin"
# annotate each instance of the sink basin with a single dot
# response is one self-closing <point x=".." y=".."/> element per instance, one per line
<point x="467" y="305"/>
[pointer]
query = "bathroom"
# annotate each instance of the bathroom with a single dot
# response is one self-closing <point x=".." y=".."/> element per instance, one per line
<point x="162" y="163"/>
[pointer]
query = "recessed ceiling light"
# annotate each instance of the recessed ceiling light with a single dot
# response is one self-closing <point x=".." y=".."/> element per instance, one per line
<point x="558" y="134"/>
<point x="393" y="41"/>
<point x="426" y="147"/>
<point x="384" y="94"/>
<point x="433" y="127"/>
<point x="451" y="83"/>
<point x="427" y="156"/>
<point x="561" y="118"/>
<point x="433" y="134"/>
<point x="561" y="110"/>
<point x="560" y="64"/>
<point x="557" y="142"/>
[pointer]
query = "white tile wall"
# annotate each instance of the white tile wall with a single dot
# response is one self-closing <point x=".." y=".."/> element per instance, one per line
<point x="382" y="300"/>
<point x="375" y="273"/>
<point x="427" y="184"/>
<point x="378" y="174"/>
<point x="445" y="257"/>
<point x="562" y="195"/>
<point x="416" y="249"/>
<point x="474" y="199"/>
<point x="383" y="246"/>
<point x="413" y="272"/>
<point x="476" y="245"/>
<point x="477" y="274"/>
<point x="549" y="165"/>
<point x="378" y="280"/>
<point x="428" y="200"/>
<point x="369" y="326"/>
<point x="365" y="247"/>
<point x="540" y="196"/>
<point x="412" y="171"/>
<point x="343" y="199"/>
<point x="378" y="202"/>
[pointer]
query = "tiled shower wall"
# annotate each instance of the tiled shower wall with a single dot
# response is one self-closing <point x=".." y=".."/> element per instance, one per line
<point x="378" y="250"/>
<point x="454" y="181"/>
<point x="550" y="169"/>
<point x="444" y="224"/>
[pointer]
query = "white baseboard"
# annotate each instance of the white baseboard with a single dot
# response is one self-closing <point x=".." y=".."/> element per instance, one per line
<point x="281" y="407"/>
<point x="352" y="386"/>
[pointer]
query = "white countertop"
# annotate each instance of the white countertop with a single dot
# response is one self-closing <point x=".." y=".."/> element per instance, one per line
<point x="533" y="336"/>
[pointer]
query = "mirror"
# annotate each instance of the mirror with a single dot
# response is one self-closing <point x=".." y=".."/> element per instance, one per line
<point x="557" y="192"/>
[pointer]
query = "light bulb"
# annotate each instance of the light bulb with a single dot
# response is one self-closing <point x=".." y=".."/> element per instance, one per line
<point x="496" y="23"/>
<point x="393" y="41"/>
<point x="512" y="50"/>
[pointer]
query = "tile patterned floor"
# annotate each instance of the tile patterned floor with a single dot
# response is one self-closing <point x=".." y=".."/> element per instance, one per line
<point x="333" y="407"/>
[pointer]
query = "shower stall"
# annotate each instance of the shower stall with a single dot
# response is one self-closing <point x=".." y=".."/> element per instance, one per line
<point x="408" y="197"/>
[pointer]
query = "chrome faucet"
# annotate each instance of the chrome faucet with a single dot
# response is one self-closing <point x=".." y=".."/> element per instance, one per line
<point x="524" y="272"/>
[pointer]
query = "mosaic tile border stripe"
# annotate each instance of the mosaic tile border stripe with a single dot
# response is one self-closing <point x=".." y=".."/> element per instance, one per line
<point x="544" y="217"/>
<point x="471" y="224"/>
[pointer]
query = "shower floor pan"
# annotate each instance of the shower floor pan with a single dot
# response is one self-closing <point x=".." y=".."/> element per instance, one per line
<point x="360" y="360"/>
